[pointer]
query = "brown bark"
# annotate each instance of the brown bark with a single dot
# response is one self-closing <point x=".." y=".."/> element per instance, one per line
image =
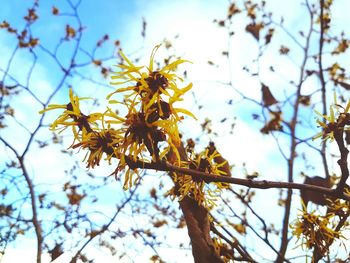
<point x="198" y="227"/>
<point x="198" y="224"/>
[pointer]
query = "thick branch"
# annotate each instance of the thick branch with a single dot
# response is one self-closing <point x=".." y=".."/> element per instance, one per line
<point x="198" y="226"/>
<point x="343" y="164"/>
<point x="196" y="217"/>
<point x="343" y="161"/>
<point x="208" y="178"/>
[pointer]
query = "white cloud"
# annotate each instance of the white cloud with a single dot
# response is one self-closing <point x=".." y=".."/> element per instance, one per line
<point x="199" y="41"/>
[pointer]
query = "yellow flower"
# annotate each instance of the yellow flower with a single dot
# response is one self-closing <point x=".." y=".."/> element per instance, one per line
<point x="315" y="231"/>
<point x="139" y="134"/>
<point x="73" y="117"/>
<point x="106" y="141"/>
<point x="156" y="89"/>
<point x="332" y="122"/>
<point x="151" y="117"/>
<point x="205" y="194"/>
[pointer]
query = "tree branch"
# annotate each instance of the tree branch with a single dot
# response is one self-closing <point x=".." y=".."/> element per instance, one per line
<point x="208" y="178"/>
<point x="35" y="220"/>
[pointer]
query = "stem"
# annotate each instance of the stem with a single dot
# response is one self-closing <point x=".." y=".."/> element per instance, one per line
<point x="198" y="226"/>
<point x="104" y="227"/>
<point x="35" y="220"/>
<point x="284" y="238"/>
<point x="342" y="162"/>
<point x="323" y="85"/>
<point x="208" y="178"/>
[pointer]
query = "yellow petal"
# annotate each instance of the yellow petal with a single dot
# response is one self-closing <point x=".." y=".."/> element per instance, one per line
<point x="187" y="88"/>
<point x="111" y="94"/>
<point x="184" y="111"/>
<point x="347" y="108"/>
<point x="125" y="58"/>
<point x="151" y="61"/>
<point x="331" y="115"/>
<point x="174" y="64"/>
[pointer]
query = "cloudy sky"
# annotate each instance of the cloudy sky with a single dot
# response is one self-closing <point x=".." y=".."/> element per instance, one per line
<point x="189" y="26"/>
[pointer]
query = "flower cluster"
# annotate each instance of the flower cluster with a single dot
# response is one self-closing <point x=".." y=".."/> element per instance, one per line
<point x="149" y="99"/>
<point x="336" y="122"/>
<point x="80" y="123"/>
<point x="148" y="132"/>
<point x="209" y="161"/>
<point x="316" y="231"/>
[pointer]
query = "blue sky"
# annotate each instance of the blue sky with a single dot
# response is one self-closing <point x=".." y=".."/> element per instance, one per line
<point x="199" y="40"/>
<point x="123" y="21"/>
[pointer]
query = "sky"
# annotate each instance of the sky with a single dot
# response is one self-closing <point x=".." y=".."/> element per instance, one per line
<point x="189" y="26"/>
